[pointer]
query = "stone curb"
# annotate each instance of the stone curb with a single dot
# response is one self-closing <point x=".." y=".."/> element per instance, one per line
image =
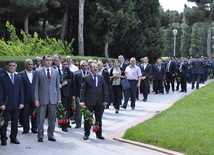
<point x="148" y="146"/>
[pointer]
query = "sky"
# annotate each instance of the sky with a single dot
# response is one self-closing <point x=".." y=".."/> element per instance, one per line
<point x="175" y="4"/>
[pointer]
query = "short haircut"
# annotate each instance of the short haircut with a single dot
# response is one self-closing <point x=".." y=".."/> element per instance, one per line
<point x="92" y="64"/>
<point x="147" y="58"/>
<point x="46" y="56"/>
<point x="82" y="62"/>
<point x="120" y="56"/>
<point x="58" y="56"/>
<point x="133" y="58"/>
<point x="10" y="61"/>
<point x="27" y="60"/>
<point x="100" y="62"/>
<point x="37" y="58"/>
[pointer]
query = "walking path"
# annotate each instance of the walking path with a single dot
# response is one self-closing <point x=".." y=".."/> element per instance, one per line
<point x="114" y="125"/>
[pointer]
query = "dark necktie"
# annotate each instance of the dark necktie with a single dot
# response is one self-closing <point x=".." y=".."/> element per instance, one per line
<point x="12" y="79"/>
<point x="48" y="75"/>
<point x="95" y="79"/>
<point x="84" y="73"/>
<point x="59" y="71"/>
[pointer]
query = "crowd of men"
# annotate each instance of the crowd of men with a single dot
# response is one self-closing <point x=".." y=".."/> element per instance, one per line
<point x="91" y="83"/>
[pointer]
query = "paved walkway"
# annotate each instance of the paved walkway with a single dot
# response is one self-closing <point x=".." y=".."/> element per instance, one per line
<point x="114" y="125"/>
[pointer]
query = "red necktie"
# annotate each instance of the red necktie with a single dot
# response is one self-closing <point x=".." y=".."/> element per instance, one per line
<point x="48" y="75"/>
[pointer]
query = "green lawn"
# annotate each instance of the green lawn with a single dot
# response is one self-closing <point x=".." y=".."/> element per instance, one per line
<point x="187" y="127"/>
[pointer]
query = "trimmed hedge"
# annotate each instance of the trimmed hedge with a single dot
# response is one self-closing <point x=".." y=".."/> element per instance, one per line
<point x="21" y="59"/>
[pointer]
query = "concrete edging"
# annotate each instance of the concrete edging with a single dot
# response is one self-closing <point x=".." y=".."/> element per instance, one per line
<point x="148" y="146"/>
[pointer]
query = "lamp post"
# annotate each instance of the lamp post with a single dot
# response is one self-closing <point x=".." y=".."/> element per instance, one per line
<point x="175" y="33"/>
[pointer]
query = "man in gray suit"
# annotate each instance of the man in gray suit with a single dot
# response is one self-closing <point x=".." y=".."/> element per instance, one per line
<point x="46" y="95"/>
<point x="197" y="70"/>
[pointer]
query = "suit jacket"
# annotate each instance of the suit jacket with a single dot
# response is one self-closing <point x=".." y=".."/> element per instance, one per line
<point x="111" y="73"/>
<point x="159" y="75"/>
<point x="67" y="89"/>
<point x="15" y="93"/>
<point x="184" y="69"/>
<point x="106" y="76"/>
<point x="77" y="82"/>
<point x="2" y="71"/>
<point x="172" y="67"/>
<point x="124" y="65"/>
<point x="28" y="87"/>
<point x="197" y="66"/>
<point x="45" y="91"/>
<point x="147" y="71"/>
<point x="92" y="95"/>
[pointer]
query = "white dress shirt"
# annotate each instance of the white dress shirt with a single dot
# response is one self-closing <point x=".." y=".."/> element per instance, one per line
<point x="29" y="75"/>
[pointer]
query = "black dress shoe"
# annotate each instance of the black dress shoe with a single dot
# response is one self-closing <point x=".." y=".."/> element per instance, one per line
<point x="34" y="132"/>
<point x="69" y="126"/>
<point x="24" y="132"/>
<point x="192" y="88"/>
<point x="100" y="137"/>
<point x="156" y="93"/>
<point x="167" y="92"/>
<point x="144" y="100"/>
<point x="107" y="107"/>
<point x="123" y="107"/>
<point x="77" y="126"/>
<point x="73" y="123"/>
<point x="181" y="91"/>
<point x="14" y="141"/>
<point x="3" y="143"/>
<point x="85" y="137"/>
<point x="40" y="140"/>
<point x="65" y="130"/>
<point x="52" y="139"/>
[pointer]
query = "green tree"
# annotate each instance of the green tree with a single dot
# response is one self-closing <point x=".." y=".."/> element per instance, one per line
<point x="186" y="39"/>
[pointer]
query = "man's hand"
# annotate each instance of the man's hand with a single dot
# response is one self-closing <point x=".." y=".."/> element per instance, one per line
<point x="64" y="83"/>
<point x="59" y="101"/>
<point x="138" y="85"/>
<point x="3" y="107"/>
<point x="21" y="106"/>
<point x="82" y="104"/>
<point x="173" y="74"/>
<point x="74" y="98"/>
<point x="37" y="104"/>
<point x="143" y="78"/>
<point x="105" y="103"/>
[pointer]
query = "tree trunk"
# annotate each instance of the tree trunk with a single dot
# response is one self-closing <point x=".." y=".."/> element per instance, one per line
<point x="64" y="24"/>
<point x="106" y="46"/>
<point x="209" y="36"/>
<point x="44" y="26"/>
<point x="26" y="25"/>
<point x="80" y="28"/>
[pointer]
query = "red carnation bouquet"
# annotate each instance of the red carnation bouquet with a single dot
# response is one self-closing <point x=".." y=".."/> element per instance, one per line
<point x="61" y="114"/>
<point x="88" y="116"/>
<point x="73" y="105"/>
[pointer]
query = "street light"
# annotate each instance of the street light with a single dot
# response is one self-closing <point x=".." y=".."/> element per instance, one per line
<point x="175" y="33"/>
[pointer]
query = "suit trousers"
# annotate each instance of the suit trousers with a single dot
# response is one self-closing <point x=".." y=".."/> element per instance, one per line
<point x="14" y="124"/>
<point x="169" y="80"/>
<point x="78" y="114"/>
<point x="28" y="109"/>
<point x="98" y="110"/>
<point x="196" y="77"/>
<point x="158" y="86"/>
<point x="145" y="88"/>
<point x="117" y="92"/>
<point x="131" y="92"/>
<point x="51" y="119"/>
<point x="183" y="82"/>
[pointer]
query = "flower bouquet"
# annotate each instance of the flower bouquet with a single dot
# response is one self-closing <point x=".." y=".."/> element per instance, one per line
<point x="1" y="114"/>
<point x="34" y="112"/>
<point x="88" y="116"/>
<point x="63" y="77"/>
<point x="61" y="114"/>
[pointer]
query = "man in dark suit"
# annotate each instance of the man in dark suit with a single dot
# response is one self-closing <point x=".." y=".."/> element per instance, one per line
<point x="159" y="75"/>
<point x="65" y="85"/>
<point x="94" y="94"/>
<point x="123" y="64"/>
<point x="46" y="91"/>
<point x="182" y="71"/>
<point x="146" y="70"/>
<point x="78" y="76"/>
<point x="170" y="74"/>
<point x="105" y="74"/>
<point x="38" y="62"/>
<point x="11" y="86"/>
<point x="27" y="78"/>
<point x="197" y="70"/>
<point x="2" y="71"/>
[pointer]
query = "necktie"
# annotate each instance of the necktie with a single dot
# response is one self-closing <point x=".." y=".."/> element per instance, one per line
<point x="59" y="71"/>
<point x="48" y="75"/>
<point x="95" y="79"/>
<point x="12" y="79"/>
<point x="84" y="73"/>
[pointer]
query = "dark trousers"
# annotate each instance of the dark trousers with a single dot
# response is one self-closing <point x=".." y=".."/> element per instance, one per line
<point x="117" y="92"/>
<point x="131" y="92"/>
<point x="158" y="86"/>
<point x="28" y="110"/>
<point x="189" y="77"/>
<point x="67" y="106"/>
<point x="14" y="124"/>
<point x="98" y="110"/>
<point x="183" y="82"/>
<point x="196" y="77"/>
<point x="202" y="77"/>
<point x="21" y="117"/>
<point x="78" y="115"/>
<point x="169" y="80"/>
<point x="145" y="88"/>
